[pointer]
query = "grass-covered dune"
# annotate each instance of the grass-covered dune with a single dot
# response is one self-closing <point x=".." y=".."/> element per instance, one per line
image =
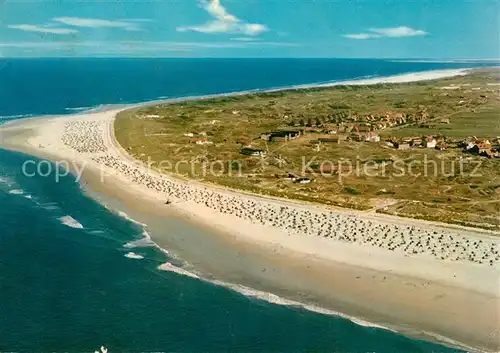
<point x="204" y="140"/>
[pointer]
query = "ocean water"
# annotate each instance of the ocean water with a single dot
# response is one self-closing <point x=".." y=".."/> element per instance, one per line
<point x="70" y="281"/>
<point x="60" y="86"/>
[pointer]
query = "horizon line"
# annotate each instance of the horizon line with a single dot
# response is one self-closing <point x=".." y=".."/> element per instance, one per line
<point x="256" y="57"/>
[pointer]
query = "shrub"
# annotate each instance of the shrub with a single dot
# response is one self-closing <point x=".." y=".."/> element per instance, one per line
<point x="352" y="191"/>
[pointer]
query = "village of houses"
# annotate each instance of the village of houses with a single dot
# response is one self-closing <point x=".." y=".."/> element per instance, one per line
<point x="346" y="128"/>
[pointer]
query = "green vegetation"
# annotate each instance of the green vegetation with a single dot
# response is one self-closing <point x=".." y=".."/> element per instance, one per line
<point x="351" y="191"/>
<point x="484" y="122"/>
<point x="204" y="139"/>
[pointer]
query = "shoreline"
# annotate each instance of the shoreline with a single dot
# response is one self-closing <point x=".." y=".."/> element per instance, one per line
<point x="43" y="140"/>
<point x="259" y="291"/>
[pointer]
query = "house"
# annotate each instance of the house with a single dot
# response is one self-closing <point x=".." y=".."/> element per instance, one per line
<point x="286" y="176"/>
<point x="444" y="120"/>
<point x="485" y="143"/>
<point x="483" y="146"/>
<point x="312" y="130"/>
<point x="371" y="136"/>
<point x="403" y="146"/>
<point x="469" y="145"/>
<point x="188" y="134"/>
<point x="202" y="141"/>
<point x="356" y="137"/>
<point x="247" y="151"/>
<point x="416" y="141"/>
<point x="364" y="128"/>
<point x="284" y="135"/>
<point x="430" y="142"/>
<point x="265" y="136"/>
<point x="302" y="181"/>
<point x="469" y="142"/>
<point x="489" y="153"/>
<point x="329" y="139"/>
<point x="441" y="146"/>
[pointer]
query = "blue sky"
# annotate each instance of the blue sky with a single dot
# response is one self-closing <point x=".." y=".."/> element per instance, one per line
<point x="439" y="29"/>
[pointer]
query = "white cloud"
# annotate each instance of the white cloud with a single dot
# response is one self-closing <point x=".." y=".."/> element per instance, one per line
<point x="398" y="32"/>
<point x="43" y="29"/>
<point x="360" y="36"/>
<point x="224" y="22"/>
<point x="244" y="39"/>
<point x="97" y="23"/>
<point x="127" y="48"/>
<point x="394" y="32"/>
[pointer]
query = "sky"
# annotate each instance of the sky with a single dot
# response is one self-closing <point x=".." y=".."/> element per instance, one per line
<point x="425" y="29"/>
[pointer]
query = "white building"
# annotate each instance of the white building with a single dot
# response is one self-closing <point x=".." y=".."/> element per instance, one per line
<point x="430" y="142"/>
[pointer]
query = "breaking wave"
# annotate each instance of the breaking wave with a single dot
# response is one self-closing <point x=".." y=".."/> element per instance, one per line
<point x="141" y="243"/>
<point x="16" y="192"/>
<point x="76" y="110"/>
<point x="130" y="219"/>
<point x="145" y="241"/>
<point x="171" y="268"/>
<point x="70" y="222"/>
<point x="18" y="116"/>
<point x="133" y="255"/>
<point x="275" y="299"/>
<point x="269" y="297"/>
<point x="49" y="206"/>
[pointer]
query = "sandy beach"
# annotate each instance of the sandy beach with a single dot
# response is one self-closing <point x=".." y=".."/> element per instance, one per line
<point x="434" y="279"/>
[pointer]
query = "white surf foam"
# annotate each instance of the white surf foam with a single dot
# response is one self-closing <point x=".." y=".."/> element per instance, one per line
<point x="133" y="255"/>
<point x="275" y="299"/>
<point x="171" y="268"/>
<point x="78" y="109"/>
<point x="16" y="192"/>
<point x="70" y="222"/>
<point x="49" y="206"/>
<point x="18" y="116"/>
<point x="128" y="218"/>
<point x="141" y="243"/>
<point x="270" y="297"/>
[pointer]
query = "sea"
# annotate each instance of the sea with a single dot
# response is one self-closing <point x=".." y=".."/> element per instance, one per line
<point x="75" y="274"/>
